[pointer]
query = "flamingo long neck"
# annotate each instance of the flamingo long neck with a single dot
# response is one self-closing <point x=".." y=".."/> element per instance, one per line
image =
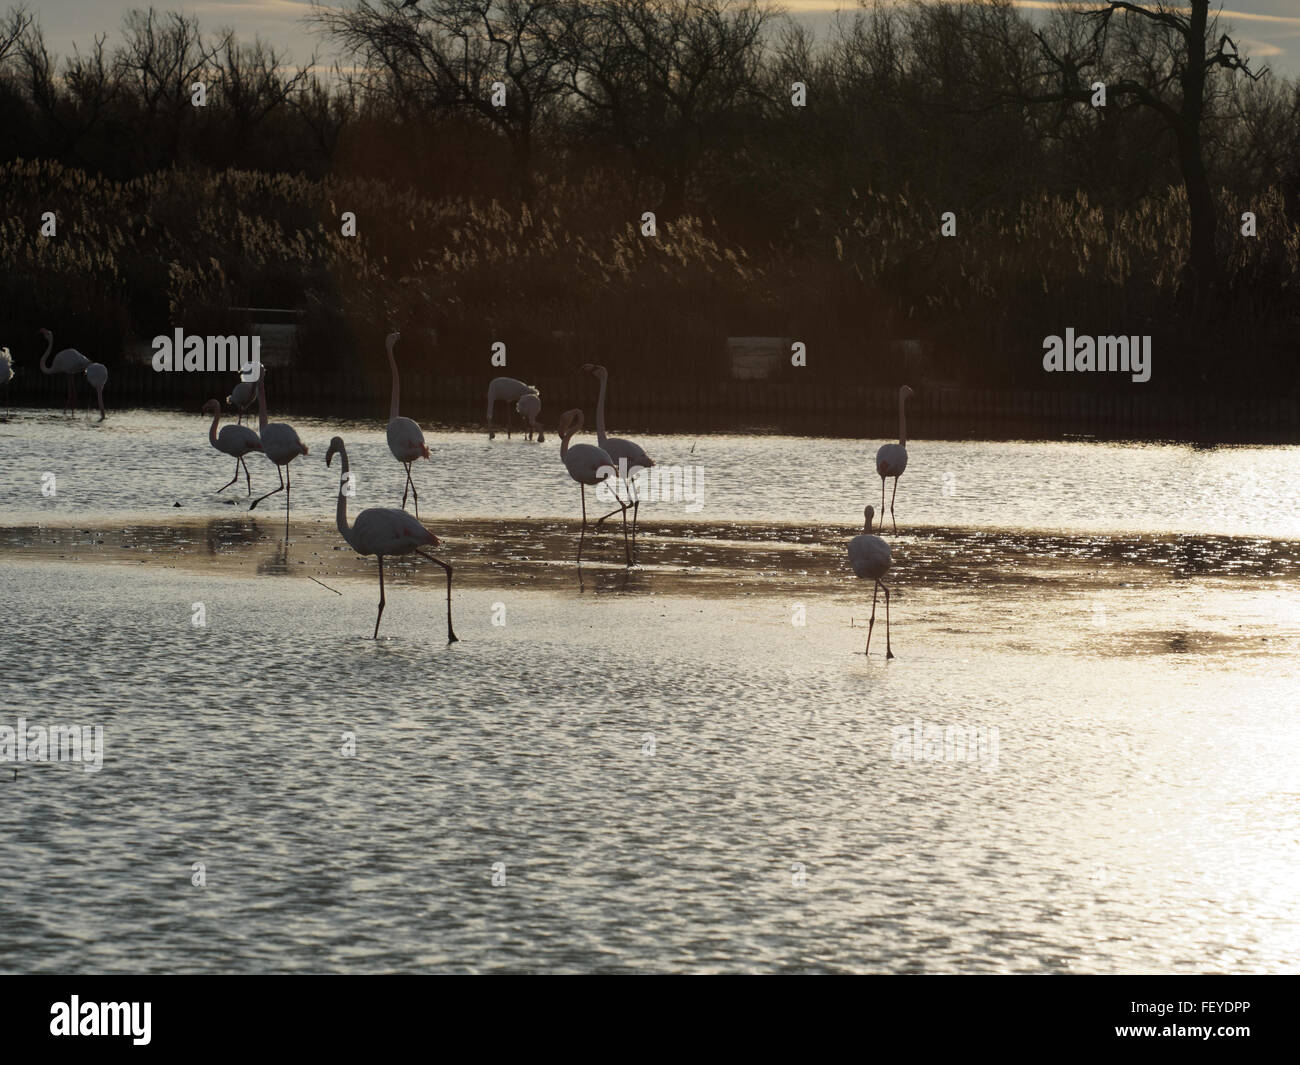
<point x="212" y="431"/>
<point x="397" y="388"/>
<point x="902" y="419"/>
<point x="600" y="410"/>
<point x="49" y="346"/>
<point x="341" y="512"/>
<point x="261" y="404"/>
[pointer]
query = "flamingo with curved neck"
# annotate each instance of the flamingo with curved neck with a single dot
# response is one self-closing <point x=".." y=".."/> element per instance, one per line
<point x="381" y="531"/>
<point x="69" y="361"/>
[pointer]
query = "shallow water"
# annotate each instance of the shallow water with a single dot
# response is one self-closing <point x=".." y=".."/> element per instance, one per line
<point x="673" y="772"/>
<point x="142" y="462"/>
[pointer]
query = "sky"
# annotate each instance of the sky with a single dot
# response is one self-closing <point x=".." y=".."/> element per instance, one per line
<point x="1269" y="30"/>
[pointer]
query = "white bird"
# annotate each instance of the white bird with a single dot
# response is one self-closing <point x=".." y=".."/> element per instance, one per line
<point x="629" y="457"/>
<point x="586" y="464"/>
<point x="507" y="390"/>
<point x="243" y="396"/>
<point x="234" y="440"/>
<point x="281" y="445"/>
<point x="405" y="440"/>
<point x="381" y="531"/>
<point x="6" y="375"/>
<point x="97" y="375"/>
<point x="530" y="406"/>
<point x="69" y="361"/>
<point x="891" y="459"/>
<point x="869" y="556"/>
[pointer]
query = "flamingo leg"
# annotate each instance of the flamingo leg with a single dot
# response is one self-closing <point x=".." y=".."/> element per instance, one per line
<point x="583" y="535"/>
<point x="288" y="489"/>
<point x="232" y="480"/>
<point x="872" y="623"/>
<point x="891" y="505"/>
<point x="888" y="651"/>
<point x="253" y="504"/>
<point x="882" y="501"/>
<point x="381" y="597"/>
<point x="451" y="636"/>
<point x="492" y="435"/>
<point x="410" y="484"/>
<point x="247" y="480"/>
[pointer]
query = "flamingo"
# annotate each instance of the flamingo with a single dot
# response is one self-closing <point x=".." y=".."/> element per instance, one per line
<point x="632" y="453"/>
<point x="587" y="464"/>
<point x="68" y="361"/>
<point x="281" y="445"/>
<point x="891" y="459"/>
<point x="235" y="440"/>
<point x="405" y="440"/>
<point x="381" y="531"/>
<point x="530" y="406"/>
<point x="6" y="375"/>
<point x="242" y="396"/>
<point x="869" y="557"/>
<point x="507" y="390"/>
<point x="97" y="375"/>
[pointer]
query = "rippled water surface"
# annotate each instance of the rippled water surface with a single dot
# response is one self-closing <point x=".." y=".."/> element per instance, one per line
<point x="668" y="769"/>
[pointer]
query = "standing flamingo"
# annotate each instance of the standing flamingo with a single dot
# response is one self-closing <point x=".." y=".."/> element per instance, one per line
<point x="586" y="464"/>
<point x="242" y="396"/>
<point x="891" y="459"/>
<point x="869" y="557"/>
<point x="281" y="445"/>
<point x="97" y="375"/>
<point x="6" y="375"/>
<point x="405" y="440"/>
<point x="381" y="531"/>
<point x="234" y="440"/>
<point x="507" y="390"/>
<point x="530" y="406"/>
<point x="633" y="456"/>
<point x="69" y="361"/>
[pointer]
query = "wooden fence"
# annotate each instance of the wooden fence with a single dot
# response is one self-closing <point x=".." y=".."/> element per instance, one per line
<point x="700" y="406"/>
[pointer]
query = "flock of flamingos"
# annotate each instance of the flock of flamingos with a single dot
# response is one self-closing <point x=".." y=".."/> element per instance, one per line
<point x="385" y="531"/>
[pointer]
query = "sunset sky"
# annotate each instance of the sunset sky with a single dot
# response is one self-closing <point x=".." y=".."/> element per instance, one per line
<point x="1269" y="30"/>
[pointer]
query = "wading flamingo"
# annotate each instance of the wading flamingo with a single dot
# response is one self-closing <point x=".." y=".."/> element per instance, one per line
<point x="97" y="375"/>
<point x="69" y="361"/>
<point x="243" y="396"/>
<point x="530" y="406"/>
<point x="619" y="449"/>
<point x="507" y="390"/>
<point x="234" y="440"/>
<point x="281" y="445"/>
<point x="6" y="375"/>
<point x="869" y="557"/>
<point x="381" y="531"/>
<point x="586" y="464"/>
<point x="891" y="459"/>
<point x="405" y="440"/>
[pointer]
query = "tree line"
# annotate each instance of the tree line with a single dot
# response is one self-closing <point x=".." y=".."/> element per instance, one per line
<point x="821" y="162"/>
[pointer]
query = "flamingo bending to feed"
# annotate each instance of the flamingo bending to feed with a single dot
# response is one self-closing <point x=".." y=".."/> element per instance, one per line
<point x="586" y="464"/>
<point x="381" y="531"/>
<point x="869" y="556"/>
<point x="405" y="440"/>
<point x="242" y="396"/>
<point x="234" y="440"/>
<point x="530" y="406"/>
<point x="891" y="459"/>
<point x="619" y="448"/>
<point x="69" y="361"/>
<point x="6" y="375"/>
<point x="97" y="375"/>
<point x="281" y="445"/>
<point x="507" y="390"/>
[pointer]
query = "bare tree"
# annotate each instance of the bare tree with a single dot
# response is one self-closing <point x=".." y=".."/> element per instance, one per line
<point x="1169" y="63"/>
